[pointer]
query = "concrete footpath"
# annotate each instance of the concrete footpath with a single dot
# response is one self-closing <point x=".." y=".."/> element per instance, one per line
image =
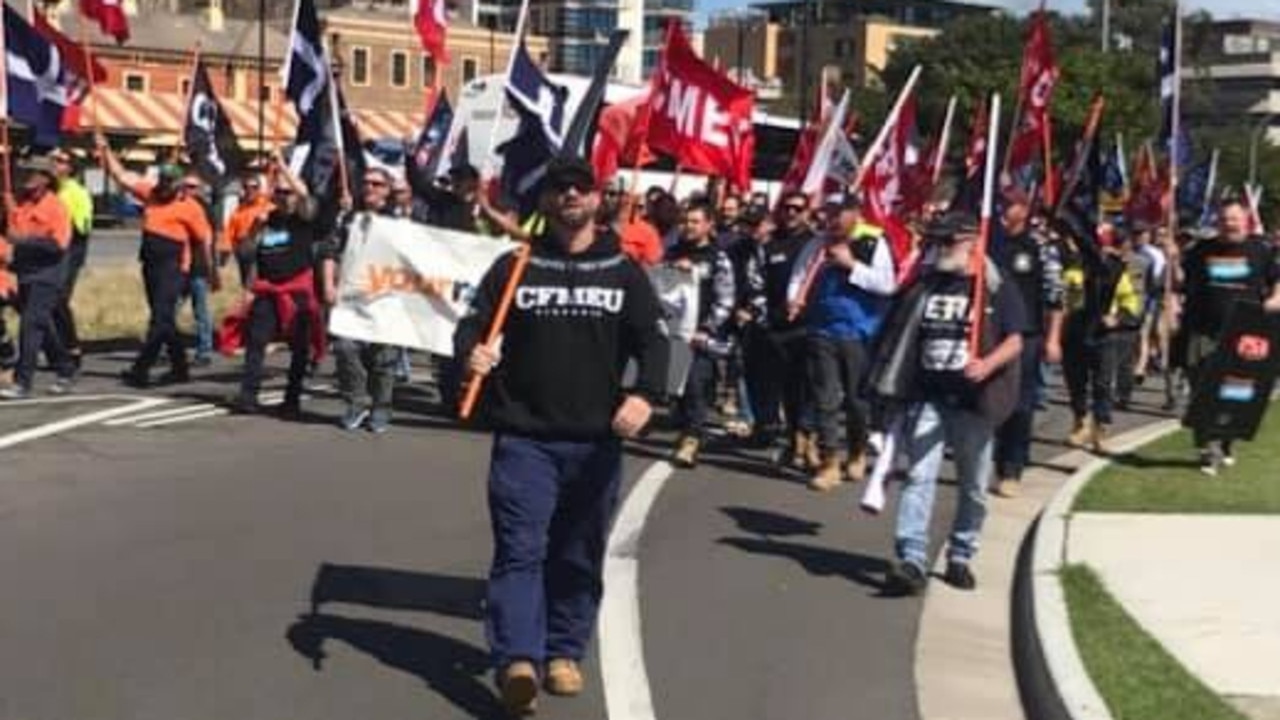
<point x="1206" y="587"/>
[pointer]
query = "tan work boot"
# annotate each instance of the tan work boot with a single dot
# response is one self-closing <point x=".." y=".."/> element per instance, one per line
<point x="519" y="688"/>
<point x="6" y="378"/>
<point x="1007" y="488"/>
<point x="828" y="476"/>
<point x="855" y="470"/>
<point x="1082" y="433"/>
<point x="564" y="678"/>
<point x="800" y="448"/>
<point x="813" y="453"/>
<point x="1098" y="439"/>
<point x="686" y="452"/>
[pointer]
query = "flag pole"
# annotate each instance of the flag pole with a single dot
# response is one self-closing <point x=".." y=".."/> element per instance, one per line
<point x="495" y="328"/>
<point x="191" y="95"/>
<point x="883" y="137"/>
<point x="1209" y="187"/>
<point x="978" y="261"/>
<point x="1046" y="143"/>
<point x="344" y="179"/>
<point x="88" y="53"/>
<point x="517" y="42"/>
<point x="1175" y="125"/>
<point x="7" y="175"/>
<point x="944" y="139"/>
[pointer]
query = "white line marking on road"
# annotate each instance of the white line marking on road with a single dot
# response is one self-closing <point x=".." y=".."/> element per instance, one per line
<point x="136" y="419"/>
<point x="65" y="400"/>
<point x="190" y="417"/>
<point x="61" y="426"/>
<point x="622" y="669"/>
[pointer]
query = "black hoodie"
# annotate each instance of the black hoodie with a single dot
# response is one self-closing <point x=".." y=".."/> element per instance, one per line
<point x="574" y="323"/>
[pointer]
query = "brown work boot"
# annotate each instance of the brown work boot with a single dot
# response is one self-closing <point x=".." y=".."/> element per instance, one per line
<point x="813" y="453"/>
<point x="1007" y="488"/>
<point x="1082" y="433"/>
<point x="686" y="452"/>
<point x="564" y="678"/>
<point x="519" y="687"/>
<point x="799" y="454"/>
<point x="828" y="476"/>
<point x="6" y="378"/>
<point x="1098" y="439"/>
<point x="855" y="469"/>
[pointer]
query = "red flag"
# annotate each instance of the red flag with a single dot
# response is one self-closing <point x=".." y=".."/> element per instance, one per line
<point x="1039" y="77"/>
<point x="806" y="145"/>
<point x="1146" y="198"/>
<point x="884" y="188"/>
<point x="621" y="137"/>
<point x="700" y="116"/>
<point x="109" y="14"/>
<point x="431" y="19"/>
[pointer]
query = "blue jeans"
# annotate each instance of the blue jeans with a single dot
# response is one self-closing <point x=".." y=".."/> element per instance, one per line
<point x="550" y="505"/>
<point x="199" y="289"/>
<point x="931" y="428"/>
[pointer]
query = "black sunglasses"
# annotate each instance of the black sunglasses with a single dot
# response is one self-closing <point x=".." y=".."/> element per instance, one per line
<point x="794" y="208"/>
<point x="581" y="185"/>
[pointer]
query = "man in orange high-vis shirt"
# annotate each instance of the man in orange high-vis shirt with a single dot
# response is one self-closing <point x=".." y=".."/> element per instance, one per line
<point x="39" y="234"/>
<point x="174" y="227"/>
<point x="254" y="205"/>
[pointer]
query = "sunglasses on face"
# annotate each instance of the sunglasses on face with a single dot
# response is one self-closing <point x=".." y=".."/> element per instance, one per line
<point x="794" y="208"/>
<point x="565" y="186"/>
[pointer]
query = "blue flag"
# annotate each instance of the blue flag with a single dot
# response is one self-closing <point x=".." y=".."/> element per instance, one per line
<point x="1114" y="181"/>
<point x="425" y="153"/>
<point x="37" y="84"/>
<point x="1168" y="74"/>
<point x="540" y="105"/>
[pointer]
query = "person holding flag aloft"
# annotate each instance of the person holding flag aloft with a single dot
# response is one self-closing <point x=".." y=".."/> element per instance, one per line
<point x="38" y="232"/>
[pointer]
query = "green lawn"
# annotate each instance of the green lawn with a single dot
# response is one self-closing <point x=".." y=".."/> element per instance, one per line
<point x="1164" y="477"/>
<point x="1136" y="677"/>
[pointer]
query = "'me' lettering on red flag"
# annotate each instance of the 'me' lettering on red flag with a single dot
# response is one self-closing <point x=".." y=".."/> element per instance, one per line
<point x="700" y="116"/>
<point x="1039" y="78"/>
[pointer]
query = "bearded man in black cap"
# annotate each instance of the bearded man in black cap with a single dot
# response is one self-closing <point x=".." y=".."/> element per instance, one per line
<point x="559" y="411"/>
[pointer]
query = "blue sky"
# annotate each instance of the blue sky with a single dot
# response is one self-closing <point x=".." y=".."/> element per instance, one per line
<point x="1224" y="8"/>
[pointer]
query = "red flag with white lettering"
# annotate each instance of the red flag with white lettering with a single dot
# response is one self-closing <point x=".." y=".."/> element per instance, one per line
<point x="884" y="188"/>
<point x="431" y="19"/>
<point x="621" y="137"/>
<point x="1039" y="77"/>
<point x="109" y="14"/>
<point x="700" y="116"/>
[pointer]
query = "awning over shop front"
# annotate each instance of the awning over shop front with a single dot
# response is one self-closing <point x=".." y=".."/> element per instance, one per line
<point x="160" y="114"/>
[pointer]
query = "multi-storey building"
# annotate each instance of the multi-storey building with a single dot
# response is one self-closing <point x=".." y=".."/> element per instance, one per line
<point x="1236" y="77"/>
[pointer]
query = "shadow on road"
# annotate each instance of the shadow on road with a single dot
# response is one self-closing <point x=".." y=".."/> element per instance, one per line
<point x="862" y="569"/>
<point x="451" y="667"/>
<point x="454" y="669"/>
<point x="765" y="522"/>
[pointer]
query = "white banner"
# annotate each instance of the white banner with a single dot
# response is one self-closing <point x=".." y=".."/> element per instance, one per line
<point x="407" y="284"/>
<point x="678" y="294"/>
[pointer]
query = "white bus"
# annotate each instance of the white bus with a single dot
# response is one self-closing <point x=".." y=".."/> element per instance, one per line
<point x="477" y="111"/>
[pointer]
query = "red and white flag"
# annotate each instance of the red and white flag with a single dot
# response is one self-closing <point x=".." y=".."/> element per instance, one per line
<point x="621" y="137"/>
<point x="700" y="116"/>
<point x="884" y="187"/>
<point x="1039" y="78"/>
<point x="431" y="19"/>
<point x="110" y="16"/>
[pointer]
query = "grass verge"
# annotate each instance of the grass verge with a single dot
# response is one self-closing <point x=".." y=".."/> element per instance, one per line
<point x="1164" y="477"/>
<point x="1136" y="677"/>
<point x="110" y="302"/>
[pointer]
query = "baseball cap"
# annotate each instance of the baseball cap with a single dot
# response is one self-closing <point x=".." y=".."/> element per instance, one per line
<point x="950" y="226"/>
<point x="570" y="171"/>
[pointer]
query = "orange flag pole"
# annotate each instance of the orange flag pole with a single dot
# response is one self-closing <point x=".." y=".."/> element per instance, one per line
<point x="1050" y="183"/>
<point x="88" y="54"/>
<point x="979" y="258"/>
<point x="495" y="328"/>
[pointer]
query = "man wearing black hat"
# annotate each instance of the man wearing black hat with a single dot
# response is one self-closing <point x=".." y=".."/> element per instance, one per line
<point x="555" y="400"/>
<point x="1032" y="262"/>
<point x="958" y="398"/>
<point x="39" y="234"/>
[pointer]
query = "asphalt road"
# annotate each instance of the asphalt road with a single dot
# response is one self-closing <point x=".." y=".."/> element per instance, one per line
<point x="158" y="568"/>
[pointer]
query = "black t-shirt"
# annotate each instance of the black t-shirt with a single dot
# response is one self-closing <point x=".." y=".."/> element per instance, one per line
<point x="285" y="244"/>
<point x="1020" y="259"/>
<point x="944" y="335"/>
<point x="1220" y="273"/>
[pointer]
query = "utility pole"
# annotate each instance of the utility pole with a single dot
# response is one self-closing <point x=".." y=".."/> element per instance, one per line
<point x="741" y="41"/>
<point x="262" y="77"/>
<point x="1106" y="26"/>
<point x="802" y="111"/>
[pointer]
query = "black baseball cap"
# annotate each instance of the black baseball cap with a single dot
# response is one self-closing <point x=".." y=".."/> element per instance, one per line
<point x="949" y="227"/>
<point x="570" y="172"/>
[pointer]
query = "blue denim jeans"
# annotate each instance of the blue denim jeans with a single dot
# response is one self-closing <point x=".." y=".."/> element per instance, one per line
<point x="932" y="428"/>
<point x="199" y="289"/>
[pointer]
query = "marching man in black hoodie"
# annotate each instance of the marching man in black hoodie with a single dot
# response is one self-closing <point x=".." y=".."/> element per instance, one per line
<point x="555" y="401"/>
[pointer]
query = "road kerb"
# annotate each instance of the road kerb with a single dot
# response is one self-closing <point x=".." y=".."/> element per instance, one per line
<point x="1078" y="697"/>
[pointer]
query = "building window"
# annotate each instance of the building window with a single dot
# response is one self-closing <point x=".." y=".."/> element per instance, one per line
<point x="135" y="82"/>
<point x="399" y="69"/>
<point x="470" y="69"/>
<point x="428" y="70"/>
<point x="360" y="66"/>
<point x="184" y="87"/>
<point x="265" y="93"/>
